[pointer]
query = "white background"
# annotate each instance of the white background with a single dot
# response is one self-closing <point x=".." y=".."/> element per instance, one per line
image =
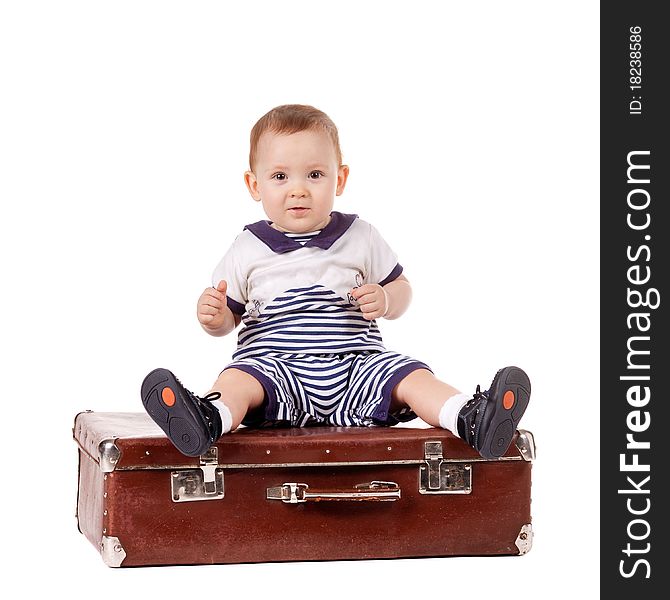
<point x="471" y="130"/>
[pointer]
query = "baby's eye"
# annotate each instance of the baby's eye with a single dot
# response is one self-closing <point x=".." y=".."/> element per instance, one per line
<point x="279" y="176"/>
<point x="315" y="175"/>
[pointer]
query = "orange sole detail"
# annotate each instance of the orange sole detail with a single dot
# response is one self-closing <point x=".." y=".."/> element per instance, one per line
<point x="508" y="400"/>
<point x="167" y="395"/>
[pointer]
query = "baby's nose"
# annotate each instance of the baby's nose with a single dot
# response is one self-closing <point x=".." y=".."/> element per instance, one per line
<point x="298" y="193"/>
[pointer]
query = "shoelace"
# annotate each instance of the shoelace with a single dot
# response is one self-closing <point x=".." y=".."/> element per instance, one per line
<point x="477" y="396"/>
<point x="206" y="399"/>
<point x="475" y="399"/>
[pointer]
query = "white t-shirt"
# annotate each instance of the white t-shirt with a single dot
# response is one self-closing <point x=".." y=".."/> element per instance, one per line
<point x="293" y="291"/>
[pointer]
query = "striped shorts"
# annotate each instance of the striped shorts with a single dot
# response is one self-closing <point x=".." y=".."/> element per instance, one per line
<point x="328" y="389"/>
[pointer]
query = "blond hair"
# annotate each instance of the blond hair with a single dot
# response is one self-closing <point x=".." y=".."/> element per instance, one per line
<point x="292" y="118"/>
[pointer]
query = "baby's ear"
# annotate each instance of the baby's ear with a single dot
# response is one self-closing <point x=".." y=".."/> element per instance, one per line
<point x="252" y="185"/>
<point x="342" y="175"/>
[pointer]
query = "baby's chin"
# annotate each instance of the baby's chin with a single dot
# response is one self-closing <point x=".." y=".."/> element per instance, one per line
<point x="299" y="225"/>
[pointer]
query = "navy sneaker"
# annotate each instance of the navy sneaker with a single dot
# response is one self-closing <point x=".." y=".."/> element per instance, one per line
<point x="191" y="422"/>
<point x="489" y="420"/>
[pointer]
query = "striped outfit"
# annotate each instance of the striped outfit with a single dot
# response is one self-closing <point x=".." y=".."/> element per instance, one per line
<point x="304" y="337"/>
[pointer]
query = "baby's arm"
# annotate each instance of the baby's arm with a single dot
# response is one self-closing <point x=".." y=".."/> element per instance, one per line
<point x="213" y="312"/>
<point x="390" y="301"/>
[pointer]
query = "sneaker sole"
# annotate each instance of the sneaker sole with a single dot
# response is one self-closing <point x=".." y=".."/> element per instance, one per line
<point x="173" y="412"/>
<point x="510" y="392"/>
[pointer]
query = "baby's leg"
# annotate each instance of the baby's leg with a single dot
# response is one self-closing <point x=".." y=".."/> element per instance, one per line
<point x="425" y="395"/>
<point x="240" y="393"/>
<point x="487" y="420"/>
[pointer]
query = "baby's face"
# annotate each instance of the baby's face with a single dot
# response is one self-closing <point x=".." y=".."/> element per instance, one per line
<point x="296" y="177"/>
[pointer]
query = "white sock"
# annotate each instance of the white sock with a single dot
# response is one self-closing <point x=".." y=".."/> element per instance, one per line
<point x="449" y="412"/>
<point x="226" y="416"/>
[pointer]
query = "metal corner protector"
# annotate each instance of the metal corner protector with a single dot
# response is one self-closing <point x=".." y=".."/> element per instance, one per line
<point x="524" y="541"/>
<point x="525" y="442"/>
<point x="108" y="455"/>
<point x="112" y="551"/>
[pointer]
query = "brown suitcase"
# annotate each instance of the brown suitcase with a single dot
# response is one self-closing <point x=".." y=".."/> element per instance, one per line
<point x="296" y="494"/>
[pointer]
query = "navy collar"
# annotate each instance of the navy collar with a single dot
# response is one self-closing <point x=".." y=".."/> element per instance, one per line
<point x="280" y="243"/>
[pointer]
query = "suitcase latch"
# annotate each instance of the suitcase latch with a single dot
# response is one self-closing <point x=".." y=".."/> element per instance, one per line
<point x="205" y="483"/>
<point x="440" y="477"/>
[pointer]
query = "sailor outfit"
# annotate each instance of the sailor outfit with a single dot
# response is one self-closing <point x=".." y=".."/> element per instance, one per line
<point x="304" y="337"/>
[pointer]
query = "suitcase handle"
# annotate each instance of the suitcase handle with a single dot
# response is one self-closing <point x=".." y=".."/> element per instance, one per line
<point x="375" y="491"/>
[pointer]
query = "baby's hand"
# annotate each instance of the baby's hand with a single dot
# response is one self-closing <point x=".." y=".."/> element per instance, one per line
<point x="372" y="300"/>
<point x="212" y="306"/>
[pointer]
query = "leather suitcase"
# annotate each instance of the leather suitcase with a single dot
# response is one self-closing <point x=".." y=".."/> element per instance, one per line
<point x="296" y="494"/>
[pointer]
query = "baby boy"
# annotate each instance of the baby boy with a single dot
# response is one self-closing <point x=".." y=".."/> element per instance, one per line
<point x="309" y="286"/>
